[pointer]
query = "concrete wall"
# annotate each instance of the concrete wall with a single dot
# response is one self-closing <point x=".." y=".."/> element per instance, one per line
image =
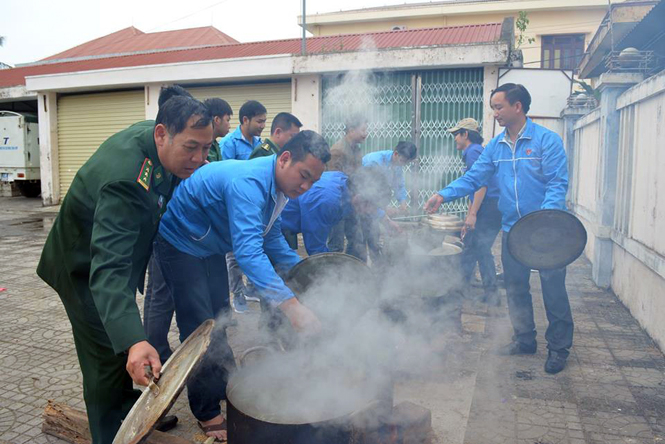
<point x="619" y="193"/>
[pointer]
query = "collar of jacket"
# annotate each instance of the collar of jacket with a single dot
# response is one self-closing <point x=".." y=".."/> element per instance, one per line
<point x="527" y="133"/>
<point x="273" y="185"/>
<point x="237" y="134"/>
<point x="161" y="178"/>
<point x="272" y="144"/>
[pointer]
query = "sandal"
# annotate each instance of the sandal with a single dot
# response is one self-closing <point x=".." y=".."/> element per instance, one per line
<point x="213" y="427"/>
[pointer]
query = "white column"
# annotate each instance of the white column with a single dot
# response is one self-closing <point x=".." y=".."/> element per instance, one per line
<point x="47" y="104"/>
<point x="152" y="91"/>
<point x="491" y="80"/>
<point x="306" y="101"/>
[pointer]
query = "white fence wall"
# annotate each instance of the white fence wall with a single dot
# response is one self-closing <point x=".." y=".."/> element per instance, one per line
<point x="638" y="231"/>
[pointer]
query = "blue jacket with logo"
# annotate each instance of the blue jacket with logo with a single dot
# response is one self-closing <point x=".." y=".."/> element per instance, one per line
<point x="231" y="206"/>
<point x="318" y="210"/>
<point x="235" y="146"/>
<point x="531" y="177"/>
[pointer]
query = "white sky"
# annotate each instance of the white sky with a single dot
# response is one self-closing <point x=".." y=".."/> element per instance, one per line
<point x="34" y="29"/>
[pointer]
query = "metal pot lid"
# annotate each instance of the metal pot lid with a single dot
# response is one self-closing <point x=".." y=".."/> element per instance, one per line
<point x="328" y="282"/>
<point x="547" y="239"/>
<point x="154" y="403"/>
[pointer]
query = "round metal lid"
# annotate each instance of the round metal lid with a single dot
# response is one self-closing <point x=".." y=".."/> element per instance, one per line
<point x="157" y="399"/>
<point x="547" y="239"/>
<point x="328" y="283"/>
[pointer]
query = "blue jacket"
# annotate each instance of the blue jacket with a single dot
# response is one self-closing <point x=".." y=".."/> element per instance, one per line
<point x="469" y="156"/>
<point x="394" y="173"/>
<point x="235" y="146"/>
<point x="227" y="206"/>
<point x="315" y="213"/>
<point x="532" y="177"/>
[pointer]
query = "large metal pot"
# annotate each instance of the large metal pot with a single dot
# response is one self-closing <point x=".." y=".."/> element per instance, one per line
<point x="314" y="393"/>
<point x="286" y="400"/>
<point x="423" y="263"/>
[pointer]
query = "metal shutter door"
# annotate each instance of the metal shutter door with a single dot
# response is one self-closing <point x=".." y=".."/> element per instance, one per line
<point x="276" y="97"/>
<point x="85" y="121"/>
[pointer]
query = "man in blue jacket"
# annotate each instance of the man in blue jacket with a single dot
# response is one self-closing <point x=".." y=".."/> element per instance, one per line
<point x="330" y="200"/>
<point x="239" y="145"/>
<point x="530" y="165"/>
<point x="233" y="206"/>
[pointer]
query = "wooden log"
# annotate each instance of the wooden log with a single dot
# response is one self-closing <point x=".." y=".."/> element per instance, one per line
<point x="71" y="425"/>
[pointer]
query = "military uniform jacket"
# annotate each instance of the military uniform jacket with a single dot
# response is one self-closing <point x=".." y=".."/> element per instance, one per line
<point x="267" y="148"/>
<point x="97" y="251"/>
<point x="215" y="154"/>
<point x="345" y="157"/>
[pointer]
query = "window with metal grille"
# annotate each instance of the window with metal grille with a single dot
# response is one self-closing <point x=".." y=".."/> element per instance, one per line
<point x="562" y="51"/>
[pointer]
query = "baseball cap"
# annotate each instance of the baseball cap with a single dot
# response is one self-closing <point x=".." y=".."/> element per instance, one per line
<point x="468" y="124"/>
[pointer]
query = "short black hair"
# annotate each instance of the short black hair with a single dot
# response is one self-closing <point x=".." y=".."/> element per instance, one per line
<point x="354" y="121"/>
<point x="407" y="150"/>
<point x="515" y="93"/>
<point x="307" y="142"/>
<point x="171" y="91"/>
<point x="176" y="112"/>
<point x="474" y="136"/>
<point x="370" y="184"/>
<point x="218" y="107"/>
<point x="251" y="109"/>
<point x="284" y="121"/>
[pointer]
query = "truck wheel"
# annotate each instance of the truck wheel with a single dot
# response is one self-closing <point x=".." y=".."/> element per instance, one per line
<point x="29" y="189"/>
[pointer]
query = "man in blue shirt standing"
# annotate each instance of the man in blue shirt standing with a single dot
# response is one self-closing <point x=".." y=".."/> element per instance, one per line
<point x="233" y="206"/>
<point x="239" y="145"/>
<point x="391" y="164"/>
<point x="330" y="200"/>
<point x="532" y="174"/>
<point x="483" y="220"/>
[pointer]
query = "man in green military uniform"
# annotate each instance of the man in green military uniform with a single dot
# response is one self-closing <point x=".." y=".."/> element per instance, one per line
<point x="97" y="251"/>
<point x="221" y="113"/>
<point x="284" y="127"/>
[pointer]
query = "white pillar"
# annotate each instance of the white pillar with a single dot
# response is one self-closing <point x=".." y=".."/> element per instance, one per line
<point x="47" y="104"/>
<point x="306" y="100"/>
<point x="152" y="91"/>
<point x="491" y="80"/>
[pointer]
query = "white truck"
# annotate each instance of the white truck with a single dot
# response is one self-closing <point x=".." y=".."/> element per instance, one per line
<point x="19" y="152"/>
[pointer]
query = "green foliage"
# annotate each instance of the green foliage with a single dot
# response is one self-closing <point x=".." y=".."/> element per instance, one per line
<point x="521" y="25"/>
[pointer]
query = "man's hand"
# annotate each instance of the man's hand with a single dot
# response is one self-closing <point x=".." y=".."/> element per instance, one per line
<point x="392" y="211"/>
<point x="140" y="355"/>
<point x="433" y="203"/>
<point x="469" y="224"/>
<point x="302" y="318"/>
<point x="393" y="226"/>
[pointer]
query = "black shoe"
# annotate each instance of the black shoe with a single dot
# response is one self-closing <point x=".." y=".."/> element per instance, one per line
<point x="517" y="348"/>
<point x="166" y="423"/>
<point x="555" y="362"/>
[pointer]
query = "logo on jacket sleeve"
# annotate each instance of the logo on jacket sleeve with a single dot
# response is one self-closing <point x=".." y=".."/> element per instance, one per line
<point x="528" y="151"/>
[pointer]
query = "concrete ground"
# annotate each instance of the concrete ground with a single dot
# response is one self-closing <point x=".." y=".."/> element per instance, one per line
<point x="613" y="390"/>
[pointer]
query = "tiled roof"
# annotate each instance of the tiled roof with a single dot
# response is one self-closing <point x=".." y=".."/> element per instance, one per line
<point x="457" y="35"/>
<point x="130" y="40"/>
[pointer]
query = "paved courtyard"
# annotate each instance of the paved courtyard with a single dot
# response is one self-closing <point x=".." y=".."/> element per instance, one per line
<point x="613" y="390"/>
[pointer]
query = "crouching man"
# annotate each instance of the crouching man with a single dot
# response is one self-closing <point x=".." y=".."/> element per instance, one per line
<point x="233" y="206"/>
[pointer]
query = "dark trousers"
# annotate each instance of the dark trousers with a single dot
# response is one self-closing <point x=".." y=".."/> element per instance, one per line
<point x="200" y="290"/>
<point x="158" y="309"/>
<point x="559" y="333"/>
<point x="349" y="227"/>
<point x="107" y="387"/>
<point x="478" y="246"/>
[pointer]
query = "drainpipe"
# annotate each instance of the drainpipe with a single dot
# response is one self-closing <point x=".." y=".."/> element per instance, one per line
<point x="303" y="43"/>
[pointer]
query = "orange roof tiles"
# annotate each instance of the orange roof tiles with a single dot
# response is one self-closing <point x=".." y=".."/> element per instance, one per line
<point x="457" y="35"/>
